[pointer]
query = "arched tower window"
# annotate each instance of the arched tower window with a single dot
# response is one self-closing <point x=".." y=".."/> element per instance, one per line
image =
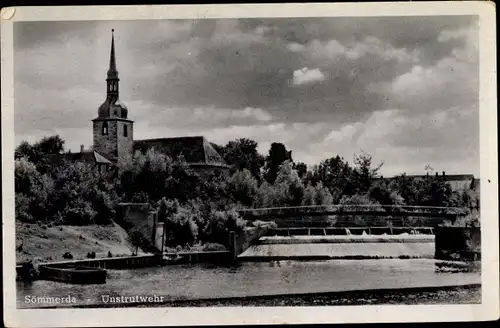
<point x="125" y="130"/>
<point x="105" y="128"/>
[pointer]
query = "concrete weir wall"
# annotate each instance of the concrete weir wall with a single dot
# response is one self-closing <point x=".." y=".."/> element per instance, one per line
<point x="458" y="243"/>
<point x="239" y="243"/>
<point x="141" y="224"/>
<point x="340" y="247"/>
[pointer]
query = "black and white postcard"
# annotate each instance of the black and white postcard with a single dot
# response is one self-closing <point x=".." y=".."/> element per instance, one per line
<point x="249" y="164"/>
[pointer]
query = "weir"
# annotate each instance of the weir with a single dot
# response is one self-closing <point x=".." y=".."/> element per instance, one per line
<point x="272" y="248"/>
<point x="326" y="232"/>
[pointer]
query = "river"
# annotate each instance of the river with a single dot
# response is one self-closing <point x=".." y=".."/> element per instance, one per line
<point x="249" y="279"/>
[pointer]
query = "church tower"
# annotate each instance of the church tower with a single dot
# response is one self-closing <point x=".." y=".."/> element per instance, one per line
<point x="113" y="131"/>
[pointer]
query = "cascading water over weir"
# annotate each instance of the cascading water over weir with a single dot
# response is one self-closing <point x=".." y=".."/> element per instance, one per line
<point x="347" y="232"/>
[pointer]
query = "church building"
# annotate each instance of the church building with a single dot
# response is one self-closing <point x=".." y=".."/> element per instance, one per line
<point x="113" y="135"/>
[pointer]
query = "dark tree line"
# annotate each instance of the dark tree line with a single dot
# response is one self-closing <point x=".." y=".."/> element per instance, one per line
<point x="202" y="208"/>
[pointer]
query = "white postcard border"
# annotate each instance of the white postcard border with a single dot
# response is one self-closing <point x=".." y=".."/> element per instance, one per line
<point x="489" y="308"/>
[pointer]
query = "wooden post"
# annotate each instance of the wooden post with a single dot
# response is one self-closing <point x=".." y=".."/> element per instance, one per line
<point x="164" y="231"/>
<point x="232" y="244"/>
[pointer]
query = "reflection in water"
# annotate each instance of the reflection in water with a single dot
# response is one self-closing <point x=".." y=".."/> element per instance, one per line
<point x="251" y="279"/>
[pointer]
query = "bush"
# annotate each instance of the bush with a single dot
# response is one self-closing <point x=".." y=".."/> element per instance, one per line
<point x="355" y="220"/>
<point x="67" y="256"/>
<point x="23" y="202"/>
<point x="317" y="195"/>
<point x="181" y="229"/>
<point x="243" y="188"/>
<point x="266" y="195"/>
<point x="219" y="224"/>
<point x="470" y="220"/>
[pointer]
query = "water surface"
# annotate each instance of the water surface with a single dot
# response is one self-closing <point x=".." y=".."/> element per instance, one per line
<point x="251" y="279"/>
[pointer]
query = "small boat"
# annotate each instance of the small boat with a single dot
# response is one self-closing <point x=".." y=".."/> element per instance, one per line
<point x="73" y="274"/>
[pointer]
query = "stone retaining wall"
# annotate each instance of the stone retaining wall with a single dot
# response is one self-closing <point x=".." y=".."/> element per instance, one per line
<point x="128" y="262"/>
<point x="458" y="243"/>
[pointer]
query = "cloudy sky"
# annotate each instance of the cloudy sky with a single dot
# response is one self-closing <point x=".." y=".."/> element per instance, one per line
<point x="404" y="89"/>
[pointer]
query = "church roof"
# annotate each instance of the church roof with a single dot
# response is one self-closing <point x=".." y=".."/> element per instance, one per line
<point x="195" y="150"/>
<point x="101" y="159"/>
<point x="85" y="156"/>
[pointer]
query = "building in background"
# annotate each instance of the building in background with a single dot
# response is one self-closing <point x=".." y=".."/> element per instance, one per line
<point x="113" y="135"/>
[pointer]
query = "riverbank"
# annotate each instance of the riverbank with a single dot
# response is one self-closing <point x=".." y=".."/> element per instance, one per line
<point x="44" y="243"/>
<point x="467" y="294"/>
<point x="418" y="296"/>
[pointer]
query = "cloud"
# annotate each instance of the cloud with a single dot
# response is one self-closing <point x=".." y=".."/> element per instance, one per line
<point x="389" y="136"/>
<point x="403" y="88"/>
<point x="306" y="76"/>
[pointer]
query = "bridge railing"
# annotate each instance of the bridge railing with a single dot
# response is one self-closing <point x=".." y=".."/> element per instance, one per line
<point x="375" y="210"/>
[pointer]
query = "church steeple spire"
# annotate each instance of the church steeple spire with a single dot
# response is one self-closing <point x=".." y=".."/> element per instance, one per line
<point x="112" y="80"/>
<point x="112" y="72"/>
<point x="112" y="107"/>
<point x="113" y="131"/>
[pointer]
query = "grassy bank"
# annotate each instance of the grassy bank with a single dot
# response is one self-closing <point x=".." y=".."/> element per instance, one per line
<point x="40" y="243"/>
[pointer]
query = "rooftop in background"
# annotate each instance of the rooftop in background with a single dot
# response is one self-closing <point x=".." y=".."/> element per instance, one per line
<point x="457" y="181"/>
<point x="87" y="156"/>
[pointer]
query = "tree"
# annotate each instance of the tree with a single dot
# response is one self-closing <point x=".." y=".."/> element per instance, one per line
<point x="407" y="187"/>
<point x="33" y="192"/>
<point x="427" y="191"/>
<point x="213" y="190"/>
<point x="219" y="224"/>
<point x="363" y="173"/>
<point x="301" y="169"/>
<point x="266" y="195"/>
<point x="317" y="195"/>
<point x="381" y="192"/>
<point x="277" y="155"/>
<point x="157" y="175"/>
<point x="242" y="154"/>
<point x="435" y="192"/>
<point x="146" y="174"/>
<point x="81" y="196"/>
<point x="289" y="189"/>
<point x="25" y="175"/>
<point x="25" y="150"/>
<point x="50" y="145"/>
<point x="358" y="220"/>
<point x="39" y="152"/>
<point x="335" y="174"/>
<point x="243" y="188"/>
<point x="181" y="227"/>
